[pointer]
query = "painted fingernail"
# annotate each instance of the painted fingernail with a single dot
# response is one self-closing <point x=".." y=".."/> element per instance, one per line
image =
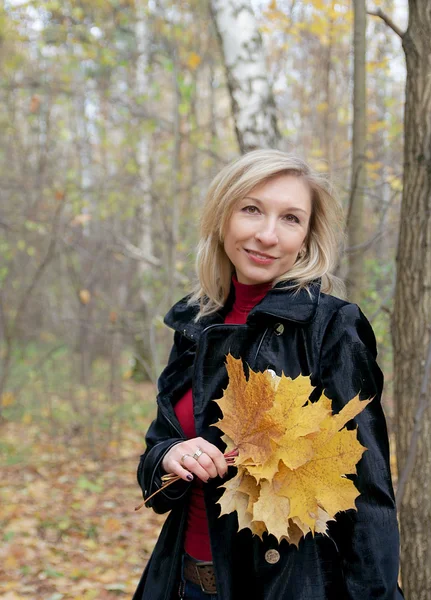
<point x="189" y="477"/>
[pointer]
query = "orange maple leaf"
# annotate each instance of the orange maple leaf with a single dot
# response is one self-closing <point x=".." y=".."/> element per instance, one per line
<point x="246" y="420"/>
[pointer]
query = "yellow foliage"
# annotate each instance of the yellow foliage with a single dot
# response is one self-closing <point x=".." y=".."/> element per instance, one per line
<point x="193" y="61"/>
<point x="84" y="296"/>
<point x="7" y="399"/>
<point x="27" y="419"/>
<point x="376" y="126"/>
<point x="322" y="107"/>
<point x="396" y="184"/>
<point x="294" y="454"/>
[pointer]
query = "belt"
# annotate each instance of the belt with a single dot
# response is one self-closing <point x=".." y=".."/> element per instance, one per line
<point x="200" y="573"/>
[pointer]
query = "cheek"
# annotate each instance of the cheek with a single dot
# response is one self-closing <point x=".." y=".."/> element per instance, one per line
<point x="293" y="242"/>
<point x="238" y="230"/>
<point x="229" y="242"/>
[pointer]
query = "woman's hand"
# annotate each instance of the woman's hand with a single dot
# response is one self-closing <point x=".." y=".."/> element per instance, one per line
<point x="179" y="460"/>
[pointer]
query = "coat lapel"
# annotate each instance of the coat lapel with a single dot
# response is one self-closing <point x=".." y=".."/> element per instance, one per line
<point x="281" y="302"/>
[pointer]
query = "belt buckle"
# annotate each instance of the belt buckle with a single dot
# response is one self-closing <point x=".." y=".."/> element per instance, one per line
<point x="202" y="564"/>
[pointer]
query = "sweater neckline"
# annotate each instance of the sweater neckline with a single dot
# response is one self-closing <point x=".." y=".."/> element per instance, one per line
<point x="248" y="295"/>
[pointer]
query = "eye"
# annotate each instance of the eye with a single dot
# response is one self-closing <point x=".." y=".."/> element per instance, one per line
<point x="251" y="210"/>
<point x="291" y="218"/>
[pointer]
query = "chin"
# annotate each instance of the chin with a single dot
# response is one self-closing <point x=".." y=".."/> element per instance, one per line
<point x="253" y="280"/>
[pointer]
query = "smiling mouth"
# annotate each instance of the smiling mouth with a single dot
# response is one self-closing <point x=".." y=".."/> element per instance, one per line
<point x="260" y="254"/>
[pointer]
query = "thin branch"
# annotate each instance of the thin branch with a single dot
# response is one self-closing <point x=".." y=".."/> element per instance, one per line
<point x="5" y="226"/>
<point x="382" y="15"/>
<point x="36" y="368"/>
<point x="368" y="243"/>
<point x="382" y="306"/>
<point x="7" y="358"/>
<point x="41" y="268"/>
<point x="418" y="420"/>
<point x="128" y="249"/>
<point x="352" y="196"/>
<point x="380" y="233"/>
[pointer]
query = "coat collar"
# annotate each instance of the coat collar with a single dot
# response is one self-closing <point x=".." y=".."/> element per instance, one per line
<point x="280" y="302"/>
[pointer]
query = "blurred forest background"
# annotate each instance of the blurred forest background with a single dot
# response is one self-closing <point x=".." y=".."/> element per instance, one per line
<point x="114" y="117"/>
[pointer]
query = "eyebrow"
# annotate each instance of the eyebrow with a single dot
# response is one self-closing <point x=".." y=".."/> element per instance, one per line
<point x="288" y="208"/>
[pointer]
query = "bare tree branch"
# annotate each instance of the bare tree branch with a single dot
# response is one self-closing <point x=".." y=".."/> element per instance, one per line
<point x="418" y="420"/>
<point x="27" y="295"/>
<point x="382" y="306"/>
<point x="382" y="15"/>
<point x="381" y="232"/>
<point x="131" y="251"/>
<point x="5" y="226"/>
<point x="48" y="256"/>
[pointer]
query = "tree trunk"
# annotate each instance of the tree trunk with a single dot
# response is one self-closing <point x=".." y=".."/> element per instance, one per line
<point x="174" y="207"/>
<point x="144" y="365"/>
<point x="412" y="313"/>
<point x="355" y="277"/>
<point x="252" y="100"/>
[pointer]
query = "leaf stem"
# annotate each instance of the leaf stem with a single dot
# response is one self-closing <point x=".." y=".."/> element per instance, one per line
<point x="170" y="478"/>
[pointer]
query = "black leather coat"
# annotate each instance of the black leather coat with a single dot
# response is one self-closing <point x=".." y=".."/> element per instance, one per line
<point x="295" y="334"/>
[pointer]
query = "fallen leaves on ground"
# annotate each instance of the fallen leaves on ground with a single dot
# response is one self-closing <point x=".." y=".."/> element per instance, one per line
<point x="68" y="523"/>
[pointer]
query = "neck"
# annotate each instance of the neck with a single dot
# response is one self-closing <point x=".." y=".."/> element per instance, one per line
<point x="248" y="295"/>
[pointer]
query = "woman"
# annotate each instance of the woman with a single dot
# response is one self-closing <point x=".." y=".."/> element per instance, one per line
<point x="269" y="238"/>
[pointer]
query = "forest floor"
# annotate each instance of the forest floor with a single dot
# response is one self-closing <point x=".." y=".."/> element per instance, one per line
<point x="68" y="522"/>
<point x="67" y="501"/>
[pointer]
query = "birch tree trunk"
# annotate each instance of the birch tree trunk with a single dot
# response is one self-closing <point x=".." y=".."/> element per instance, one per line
<point x="143" y="367"/>
<point x="252" y="100"/>
<point x="355" y="276"/>
<point x="412" y="313"/>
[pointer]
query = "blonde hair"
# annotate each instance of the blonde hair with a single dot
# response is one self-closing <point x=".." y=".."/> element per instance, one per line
<point x="213" y="267"/>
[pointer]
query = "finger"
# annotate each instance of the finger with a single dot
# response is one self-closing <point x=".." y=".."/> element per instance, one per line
<point x="192" y="465"/>
<point x="207" y="463"/>
<point x="173" y="456"/>
<point x="177" y="469"/>
<point x="215" y="454"/>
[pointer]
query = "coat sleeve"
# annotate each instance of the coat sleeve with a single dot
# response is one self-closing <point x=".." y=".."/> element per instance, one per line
<point x="159" y="440"/>
<point x="367" y="539"/>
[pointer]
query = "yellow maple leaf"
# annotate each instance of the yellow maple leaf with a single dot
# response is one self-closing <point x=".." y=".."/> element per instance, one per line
<point x="321" y="481"/>
<point x="267" y="469"/>
<point x="240" y="492"/>
<point x="275" y="515"/>
<point x="294" y="454"/>
<point x="300" y="418"/>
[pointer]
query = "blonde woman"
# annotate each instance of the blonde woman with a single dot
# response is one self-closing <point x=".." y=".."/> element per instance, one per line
<point x="270" y="232"/>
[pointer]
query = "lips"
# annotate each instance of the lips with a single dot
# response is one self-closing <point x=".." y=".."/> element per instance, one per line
<point x="260" y="254"/>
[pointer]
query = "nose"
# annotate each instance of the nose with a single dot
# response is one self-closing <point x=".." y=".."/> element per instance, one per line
<point x="267" y="233"/>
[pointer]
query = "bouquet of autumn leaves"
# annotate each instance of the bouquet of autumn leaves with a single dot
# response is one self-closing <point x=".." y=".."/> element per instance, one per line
<point x="293" y="454"/>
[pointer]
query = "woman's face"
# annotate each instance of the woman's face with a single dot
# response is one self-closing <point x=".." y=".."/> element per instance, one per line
<point x="268" y="228"/>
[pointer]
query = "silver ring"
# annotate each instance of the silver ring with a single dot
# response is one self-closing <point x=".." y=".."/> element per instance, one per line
<point x="183" y="458"/>
<point x="197" y="453"/>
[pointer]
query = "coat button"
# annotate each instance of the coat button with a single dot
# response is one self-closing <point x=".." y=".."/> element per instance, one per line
<point x="272" y="556"/>
<point x="279" y="329"/>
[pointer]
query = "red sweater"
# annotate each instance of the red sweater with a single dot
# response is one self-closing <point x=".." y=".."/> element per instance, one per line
<point x="197" y="541"/>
